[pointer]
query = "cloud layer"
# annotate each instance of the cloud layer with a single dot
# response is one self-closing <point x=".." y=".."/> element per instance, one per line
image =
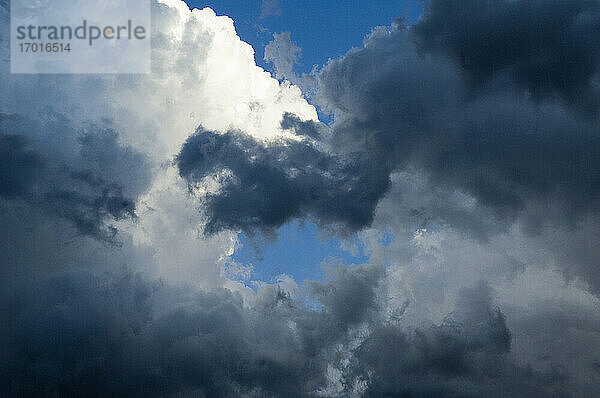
<point x="463" y="153"/>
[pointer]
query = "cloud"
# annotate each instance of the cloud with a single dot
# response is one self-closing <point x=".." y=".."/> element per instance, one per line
<point x="266" y="185"/>
<point x="88" y="189"/>
<point x="283" y="54"/>
<point x="83" y="333"/>
<point x="446" y="359"/>
<point x="476" y="152"/>
<point x="269" y="8"/>
<point x="527" y="40"/>
<point x="79" y="333"/>
<point x="499" y="146"/>
<point x="21" y="165"/>
<point x="486" y="183"/>
<point x="303" y="128"/>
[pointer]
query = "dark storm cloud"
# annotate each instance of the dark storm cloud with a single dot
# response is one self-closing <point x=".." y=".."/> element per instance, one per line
<point x="521" y="152"/>
<point x="88" y="187"/>
<point x="416" y="109"/>
<point x="306" y="128"/>
<point x="465" y="356"/>
<point x="79" y="333"/>
<point x="20" y="165"/>
<point x="551" y="48"/>
<point x="273" y="183"/>
<point x="82" y="334"/>
<point x="351" y="304"/>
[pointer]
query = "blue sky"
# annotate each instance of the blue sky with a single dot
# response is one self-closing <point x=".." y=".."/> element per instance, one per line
<point x="324" y="30"/>
<point x="300" y="250"/>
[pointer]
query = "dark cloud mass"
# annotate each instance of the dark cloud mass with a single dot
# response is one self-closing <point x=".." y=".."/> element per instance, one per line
<point x="275" y="182"/>
<point x="80" y="334"/>
<point x="98" y="184"/>
<point x="550" y="48"/>
<point x="464" y="356"/>
<point x="415" y="109"/>
<point x="307" y="128"/>
<point x="20" y="165"/>
<point x="493" y="100"/>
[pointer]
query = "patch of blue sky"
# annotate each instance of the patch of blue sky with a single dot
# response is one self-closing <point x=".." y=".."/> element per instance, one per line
<point x="386" y="238"/>
<point x="323" y="29"/>
<point x="300" y="250"/>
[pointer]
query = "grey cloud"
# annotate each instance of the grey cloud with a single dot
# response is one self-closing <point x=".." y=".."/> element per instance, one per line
<point x="20" y="165"/>
<point x="351" y="294"/>
<point x="550" y="48"/>
<point x="465" y="356"/>
<point x="269" y="8"/>
<point x="415" y="110"/>
<point x="97" y="182"/>
<point x="283" y="54"/>
<point x="512" y="156"/>
<point x="84" y="333"/>
<point x="273" y="183"/>
<point x="303" y="128"/>
<point x="560" y="339"/>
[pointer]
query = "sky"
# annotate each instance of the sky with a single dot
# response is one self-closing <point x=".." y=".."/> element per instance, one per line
<point x="344" y="24"/>
<point x="309" y="199"/>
